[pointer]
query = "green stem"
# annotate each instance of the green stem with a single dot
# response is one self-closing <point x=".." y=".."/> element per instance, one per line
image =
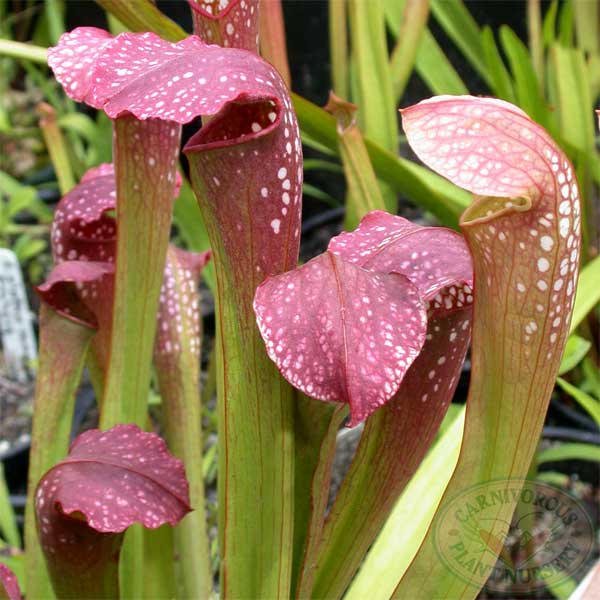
<point x="63" y="347"/>
<point x="374" y="95"/>
<point x="338" y="47"/>
<point x="256" y="407"/>
<point x="256" y="456"/>
<point x="8" y="522"/>
<point x="414" y="21"/>
<point x="145" y="153"/>
<point x="145" y="168"/>
<point x="159" y="558"/>
<point x="23" y="51"/>
<point x="316" y="425"/>
<point x="178" y="373"/>
<point x="57" y="149"/>
<point x="534" y="26"/>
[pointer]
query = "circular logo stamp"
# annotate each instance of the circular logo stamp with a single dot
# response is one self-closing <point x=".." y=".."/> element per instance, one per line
<point x="547" y="538"/>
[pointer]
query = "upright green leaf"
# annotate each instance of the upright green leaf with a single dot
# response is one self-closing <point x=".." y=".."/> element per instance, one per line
<point x="573" y="451"/>
<point x="527" y="87"/>
<point x="566" y="24"/>
<point x="500" y="80"/>
<point x="588" y="291"/>
<point x="594" y="76"/>
<point x="534" y="28"/>
<point x="458" y="23"/>
<point x="572" y="92"/>
<point x="373" y="84"/>
<point x="57" y="147"/>
<point x="431" y="63"/>
<point x="338" y="47"/>
<point x="587" y="25"/>
<point x="575" y="350"/>
<point x="8" y="523"/>
<point x="272" y="37"/>
<point x="412" y="27"/>
<point x="54" y="12"/>
<point x="377" y="109"/>
<point x="435" y="69"/>
<point x="549" y="26"/>
<point x="394" y="9"/>
<point x="589" y="404"/>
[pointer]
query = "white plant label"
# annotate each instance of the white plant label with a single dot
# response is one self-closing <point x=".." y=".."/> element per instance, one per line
<point x="16" y="329"/>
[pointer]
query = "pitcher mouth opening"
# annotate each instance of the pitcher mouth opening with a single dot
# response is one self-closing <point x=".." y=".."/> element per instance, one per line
<point x="240" y="121"/>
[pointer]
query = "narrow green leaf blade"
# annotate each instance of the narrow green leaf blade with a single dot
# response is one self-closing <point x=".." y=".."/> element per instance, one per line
<point x="500" y="80"/>
<point x="23" y="51"/>
<point x="569" y="452"/>
<point x="372" y="84"/>
<point x="338" y="47"/>
<point x="319" y="194"/>
<point x="527" y="86"/>
<point x="588" y="292"/>
<point x="57" y="147"/>
<point x="575" y="350"/>
<point x="589" y="404"/>
<point x="456" y="20"/>
<point x="377" y="108"/>
<point x="534" y="27"/>
<point x="272" y="37"/>
<point x="587" y="25"/>
<point x="8" y="524"/>
<point x="322" y="165"/>
<point x="549" y="26"/>
<point x="572" y="90"/>
<point x="414" y="20"/>
<point x="435" y="69"/>
<point x="566" y="24"/>
<point x="431" y="63"/>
